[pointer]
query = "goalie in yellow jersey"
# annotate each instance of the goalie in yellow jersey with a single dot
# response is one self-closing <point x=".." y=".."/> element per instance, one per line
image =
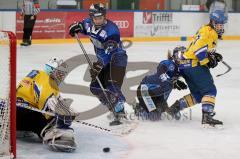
<point x="194" y="63"/>
<point x="39" y="91"/>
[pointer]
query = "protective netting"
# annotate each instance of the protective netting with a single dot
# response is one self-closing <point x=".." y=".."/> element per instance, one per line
<point x="4" y="94"/>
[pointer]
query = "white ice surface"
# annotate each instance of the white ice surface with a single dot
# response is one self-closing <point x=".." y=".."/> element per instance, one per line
<point x="152" y="140"/>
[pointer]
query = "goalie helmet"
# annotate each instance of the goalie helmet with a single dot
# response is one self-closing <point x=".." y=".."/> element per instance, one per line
<point x="57" y="69"/>
<point x="97" y="13"/>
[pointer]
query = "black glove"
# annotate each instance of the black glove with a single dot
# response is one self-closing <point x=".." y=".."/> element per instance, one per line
<point x="97" y="67"/>
<point x="218" y="57"/>
<point x="75" y="28"/>
<point x="180" y="85"/>
<point x="212" y="62"/>
<point x="214" y="58"/>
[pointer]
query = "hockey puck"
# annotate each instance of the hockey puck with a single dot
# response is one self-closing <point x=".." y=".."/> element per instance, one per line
<point x="106" y="149"/>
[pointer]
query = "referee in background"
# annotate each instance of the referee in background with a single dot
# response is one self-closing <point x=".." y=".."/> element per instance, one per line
<point x="30" y="9"/>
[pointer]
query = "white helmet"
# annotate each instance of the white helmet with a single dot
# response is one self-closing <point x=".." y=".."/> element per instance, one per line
<point x="57" y="69"/>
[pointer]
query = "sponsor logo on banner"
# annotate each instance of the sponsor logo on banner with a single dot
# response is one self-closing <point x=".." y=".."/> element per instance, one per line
<point x="49" y="25"/>
<point x="156" y="24"/>
<point x="122" y="24"/>
<point x="162" y="17"/>
<point x="52" y="20"/>
<point x="147" y="17"/>
<point x="164" y="30"/>
<point x="157" y="17"/>
<point x="54" y="25"/>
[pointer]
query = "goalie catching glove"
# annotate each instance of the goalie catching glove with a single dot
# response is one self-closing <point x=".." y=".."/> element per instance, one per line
<point x="60" y="105"/>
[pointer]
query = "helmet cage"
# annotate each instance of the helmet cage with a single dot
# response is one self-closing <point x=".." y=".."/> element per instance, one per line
<point x="178" y="53"/>
<point x="97" y="10"/>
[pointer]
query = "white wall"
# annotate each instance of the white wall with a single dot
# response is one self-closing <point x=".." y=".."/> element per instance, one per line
<point x="8" y="21"/>
<point x="179" y="24"/>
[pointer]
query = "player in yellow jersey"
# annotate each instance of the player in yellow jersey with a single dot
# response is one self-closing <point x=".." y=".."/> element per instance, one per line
<point x="194" y="64"/>
<point x="39" y="90"/>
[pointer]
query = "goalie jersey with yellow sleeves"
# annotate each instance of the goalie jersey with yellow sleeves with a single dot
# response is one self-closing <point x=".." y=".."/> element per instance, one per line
<point x="36" y="88"/>
<point x="204" y="41"/>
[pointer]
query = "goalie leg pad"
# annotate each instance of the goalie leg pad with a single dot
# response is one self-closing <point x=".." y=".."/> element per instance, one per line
<point x="60" y="140"/>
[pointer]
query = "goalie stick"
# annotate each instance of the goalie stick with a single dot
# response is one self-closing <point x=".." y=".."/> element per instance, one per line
<point x="229" y="68"/>
<point x="76" y="119"/>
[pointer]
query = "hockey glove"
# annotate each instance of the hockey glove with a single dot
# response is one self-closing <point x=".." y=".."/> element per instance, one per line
<point x="97" y="67"/>
<point x="218" y="57"/>
<point x="213" y="59"/>
<point x="180" y="85"/>
<point x="59" y="105"/>
<point x="75" y="28"/>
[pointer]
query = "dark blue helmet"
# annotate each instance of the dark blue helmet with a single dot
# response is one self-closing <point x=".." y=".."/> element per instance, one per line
<point x="96" y="10"/>
<point x="177" y="53"/>
<point x="219" y="17"/>
<point x="169" y="66"/>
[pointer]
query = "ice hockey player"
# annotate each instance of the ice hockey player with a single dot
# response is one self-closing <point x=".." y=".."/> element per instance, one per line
<point x="111" y="58"/>
<point x="154" y="89"/>
<point x="194" y="65"/>
<point x="39" y="90"/>
<point x="220" y="5"/>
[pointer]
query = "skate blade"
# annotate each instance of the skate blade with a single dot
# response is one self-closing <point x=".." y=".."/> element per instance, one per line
<point x="24" y="45"/>
<point x="125" y="128"/>
<point x="207" y="126"/>
<point x="115" y="123"/>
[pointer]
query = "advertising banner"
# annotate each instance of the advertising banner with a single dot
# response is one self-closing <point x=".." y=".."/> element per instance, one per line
<point x="54" y="25"/>
<point x="152" y="24"/>
<point x="48" y="25"/>
<point x="124" y="21"/>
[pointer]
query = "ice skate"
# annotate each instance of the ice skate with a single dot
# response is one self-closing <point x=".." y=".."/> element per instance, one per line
<point x="209" y="122"/>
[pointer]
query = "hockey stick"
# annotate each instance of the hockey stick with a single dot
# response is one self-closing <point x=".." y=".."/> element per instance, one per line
<point x="91" y="66"/>
<point x="229" y="68"/>
<point x="74" y="115"/>
<point x="116" y="131"/>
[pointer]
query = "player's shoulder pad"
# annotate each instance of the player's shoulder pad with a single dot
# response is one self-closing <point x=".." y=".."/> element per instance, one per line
<point x="111" y="28"/>
<point x="87" y="20"/>
<point x="207" y="31"/>
<point x="33" y="74"/>
<point x="169" y="64"/>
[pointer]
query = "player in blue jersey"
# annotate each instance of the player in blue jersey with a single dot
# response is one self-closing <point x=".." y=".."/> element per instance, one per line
<point x="154" y="89"/>
<point x="111" y="57"/>
<point x="194" y="65"/>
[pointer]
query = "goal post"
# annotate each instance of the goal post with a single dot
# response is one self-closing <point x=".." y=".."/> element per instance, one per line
<point x="7" y="95"/>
